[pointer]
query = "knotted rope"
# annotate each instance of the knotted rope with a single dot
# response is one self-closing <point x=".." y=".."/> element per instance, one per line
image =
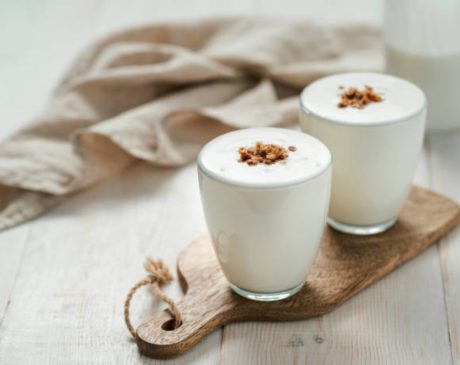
<point x="157" y="275"/>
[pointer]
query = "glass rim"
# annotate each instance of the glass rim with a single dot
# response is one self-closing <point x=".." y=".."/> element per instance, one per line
<point x="395" y="120"/>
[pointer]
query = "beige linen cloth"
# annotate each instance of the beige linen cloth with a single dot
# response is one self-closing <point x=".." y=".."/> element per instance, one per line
<point x="157" y="93"/>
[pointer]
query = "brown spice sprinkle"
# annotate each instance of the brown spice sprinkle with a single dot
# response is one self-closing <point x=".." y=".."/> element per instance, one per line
<point x="264" y="153"/>
<point x="358" y="98"/>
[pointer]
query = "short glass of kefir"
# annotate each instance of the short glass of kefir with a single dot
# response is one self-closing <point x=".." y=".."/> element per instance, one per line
<point x="373" y="125"/>
<point x="265" y="218"/>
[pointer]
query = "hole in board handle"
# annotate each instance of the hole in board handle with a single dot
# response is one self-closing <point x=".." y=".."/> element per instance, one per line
<point x="170" y="325"/>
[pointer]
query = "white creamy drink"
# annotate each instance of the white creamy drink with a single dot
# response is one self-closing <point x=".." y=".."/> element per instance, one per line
<point x="422" y="46"/>
<point x="375" y="147"/>
<point x="265" y="220"/>
<point x="438" y="76"/>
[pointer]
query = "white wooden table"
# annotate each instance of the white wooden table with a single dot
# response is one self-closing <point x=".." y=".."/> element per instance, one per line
<point x="63" y="277"/>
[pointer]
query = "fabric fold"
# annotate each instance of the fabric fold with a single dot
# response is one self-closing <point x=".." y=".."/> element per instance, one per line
<point x="157" y="93"/>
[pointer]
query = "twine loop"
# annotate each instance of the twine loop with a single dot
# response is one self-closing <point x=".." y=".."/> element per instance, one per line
<point x="157" y="271"/>
<point x="158" y="275"/>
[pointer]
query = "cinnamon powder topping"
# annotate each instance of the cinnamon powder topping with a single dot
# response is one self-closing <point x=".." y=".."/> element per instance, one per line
<point x="358" y="98"/>
<point x="264" y="153"/>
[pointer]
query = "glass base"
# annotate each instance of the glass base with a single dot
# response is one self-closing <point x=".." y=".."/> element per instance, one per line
<point x="266" y="297"/>
<point x="360" y="230"/>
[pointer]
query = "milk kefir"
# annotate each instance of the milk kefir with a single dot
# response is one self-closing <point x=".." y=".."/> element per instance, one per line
<point x="438" y="76"/>
<point x="265" y="221"/>
<point x="375" y="149"/>
<point x="422" y="46"/>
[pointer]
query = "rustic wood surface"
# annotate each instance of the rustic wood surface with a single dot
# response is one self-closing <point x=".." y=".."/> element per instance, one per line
<point x="345" y="265"/>
<point x="63" y="278"/>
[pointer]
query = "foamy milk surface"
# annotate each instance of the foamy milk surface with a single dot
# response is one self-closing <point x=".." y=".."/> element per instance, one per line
<point x="219" y="158"/>
<point x="401" y="99"/>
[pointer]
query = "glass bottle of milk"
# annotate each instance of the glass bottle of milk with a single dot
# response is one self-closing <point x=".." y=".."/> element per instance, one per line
<point x="422" y="43"/>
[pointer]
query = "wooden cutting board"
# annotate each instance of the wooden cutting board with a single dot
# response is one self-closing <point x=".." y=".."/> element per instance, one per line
<point x="345" y="265"/>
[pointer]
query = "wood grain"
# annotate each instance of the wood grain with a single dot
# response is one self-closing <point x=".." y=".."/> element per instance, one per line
<point x="345" y="265"/>
<point x="12" y="245"/>
<point x="445" y="164"/>
<point x="66" y="306"/>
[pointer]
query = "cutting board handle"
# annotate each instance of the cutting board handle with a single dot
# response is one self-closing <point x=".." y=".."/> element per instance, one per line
<point x="159" y="338"/>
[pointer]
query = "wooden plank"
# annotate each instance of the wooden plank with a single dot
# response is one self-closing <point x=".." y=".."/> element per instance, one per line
<point x="331" y="11"/>
<point x="445" y="165"/>
<point x="12" y="244"/>
<point x="401" y="319"/>
<point x="67" y="302"/>
<point x="32" y="59"/>
<point x="39" y="40"/>
<point x="119" y="15"/>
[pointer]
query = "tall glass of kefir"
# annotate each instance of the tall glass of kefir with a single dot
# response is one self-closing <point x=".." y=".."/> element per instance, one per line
<point x="422" y="45"/>
<point x="375" y="147"/>
<point x="265" y="220"/>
